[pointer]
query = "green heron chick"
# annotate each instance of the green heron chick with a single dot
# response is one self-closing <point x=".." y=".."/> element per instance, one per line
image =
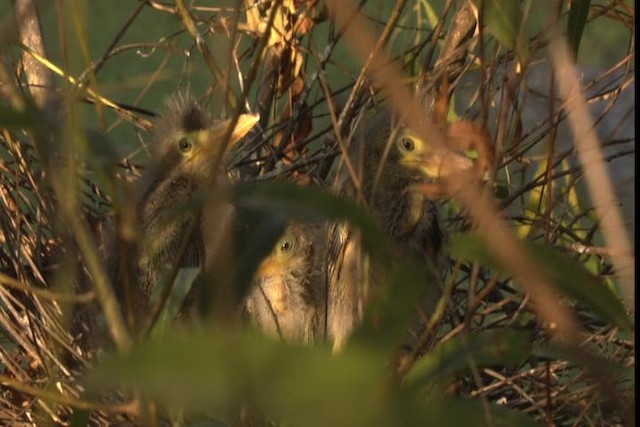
<point x="188" y="143"/>
<point x="285" y="299"/>
<point x="390" y="161"/>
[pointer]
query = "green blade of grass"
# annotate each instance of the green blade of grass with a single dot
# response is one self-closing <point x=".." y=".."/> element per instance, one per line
<point x="578" y="13"/>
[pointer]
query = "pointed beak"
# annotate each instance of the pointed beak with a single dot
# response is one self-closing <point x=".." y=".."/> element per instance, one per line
<point x="244" y="125"/>
<point x="269" y="267"/>
<point x="212" y="137"/>
<point x="443" y="163"/>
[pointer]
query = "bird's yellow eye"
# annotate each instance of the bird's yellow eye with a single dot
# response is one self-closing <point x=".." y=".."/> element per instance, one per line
<point x="286" y="246"/>
<point x="185" y="145"/>
<point x="407" y="144"/>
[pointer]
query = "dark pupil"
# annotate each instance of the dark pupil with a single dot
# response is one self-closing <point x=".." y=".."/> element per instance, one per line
<point x="185" y="144"/>
<point x="407" y="144"/>
<point x="285" y="246"/>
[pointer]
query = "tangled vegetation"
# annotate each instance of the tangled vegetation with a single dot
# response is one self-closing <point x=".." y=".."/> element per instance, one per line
<point x="533" y="323"/>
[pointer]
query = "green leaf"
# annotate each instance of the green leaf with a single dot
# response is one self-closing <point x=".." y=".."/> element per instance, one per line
<point x="394" y="305"/>
<point x="311" y="204"/>
<point x="18" y="120"/>
<point x="182" y="283"/>
<point x="567" y="274"/>
<point x="216" y="371"/>
<point x="471" y="247"/>
<point x="576" y="282"/>
<point x="80" y="418"/>
<point x="501" y="191"/>
<point x="220" y="369"/>
<point x="258" y="232"/>
<point x="485" y="348"/>
<point x="503" y="19"/>
<point x="578" y="13"/>
<point x="472" y="154"/>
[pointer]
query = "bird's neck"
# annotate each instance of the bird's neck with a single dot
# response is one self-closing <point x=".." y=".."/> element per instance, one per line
<point x="400" y="210"/>
<point x="165" y="217"/>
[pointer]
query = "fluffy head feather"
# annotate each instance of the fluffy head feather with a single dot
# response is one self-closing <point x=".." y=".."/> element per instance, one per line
<point x="282" y="300"/>
<point x="387" y="159"/>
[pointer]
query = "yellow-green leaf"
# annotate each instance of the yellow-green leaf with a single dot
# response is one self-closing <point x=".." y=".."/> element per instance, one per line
<point x="578" y="13"/>
<point x="503" y="19"/>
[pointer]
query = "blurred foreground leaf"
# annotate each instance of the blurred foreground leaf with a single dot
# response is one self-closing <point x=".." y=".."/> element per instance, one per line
<point x="503" y="19"/>
<point x="569" y="276"/>
<point x="311" y="204"/>
<point x="80" y="418"/>
<point x="394" y="305"/>
<point x="220" y="369"/>
<point x="12" y="119"/>
<point x="497" y="347"/>
<point x="257" y="232"/>
<point x="215" y="372"/>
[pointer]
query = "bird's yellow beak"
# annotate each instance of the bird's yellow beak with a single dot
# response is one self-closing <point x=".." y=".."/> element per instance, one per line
<point x="212" y="137"/>
<point x="437" y="164"/>
<point x="244" y="125"/>
<point x="433" y="163"/>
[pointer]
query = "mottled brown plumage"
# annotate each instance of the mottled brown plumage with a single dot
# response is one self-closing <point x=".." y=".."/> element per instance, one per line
<point x="187" y="143"/>
<point x="285" y="297"/>
<point x="389" y="160"/>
